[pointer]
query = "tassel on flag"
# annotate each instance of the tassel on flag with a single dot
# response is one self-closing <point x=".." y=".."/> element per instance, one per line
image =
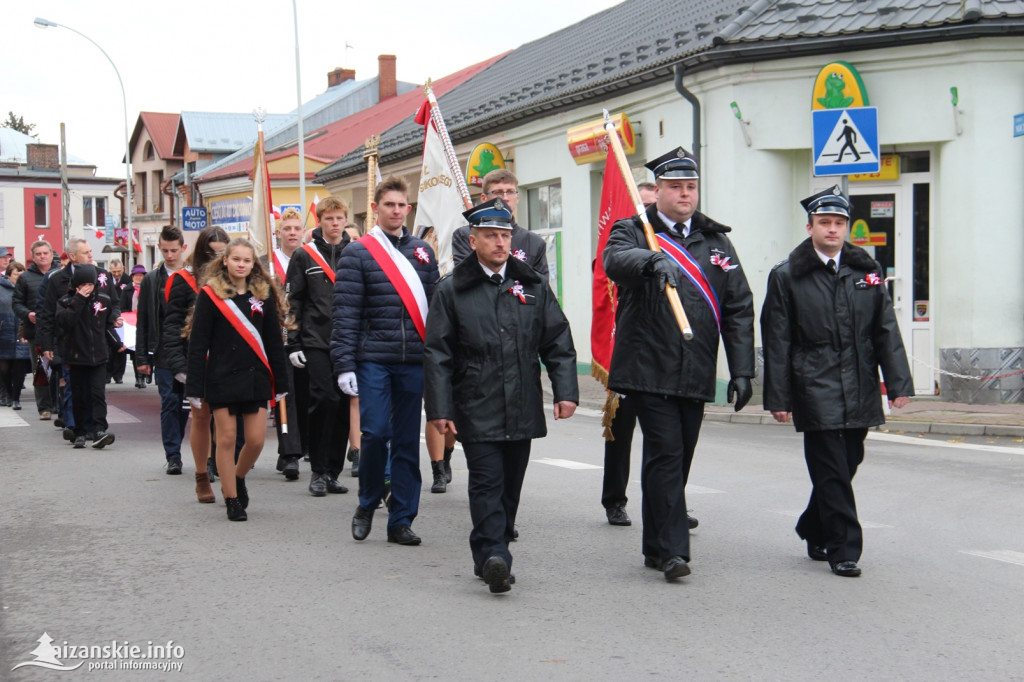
<point x="443" y="194"/>
<point x="615" y="205"/>
<point x="260" y="227"/>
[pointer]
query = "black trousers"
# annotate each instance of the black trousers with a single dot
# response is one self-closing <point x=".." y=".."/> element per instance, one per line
<point x="289" y="444"/>
<point x="89" y="397"/>
<point x="830" y="519"/>
<point x="300" y="385"/>
<point x="116" y="365"/>
<point x="671" y="427"/>
<point x="328" y="415"/>
<point x="496" y="473"/>
<point x="616" y="454"/>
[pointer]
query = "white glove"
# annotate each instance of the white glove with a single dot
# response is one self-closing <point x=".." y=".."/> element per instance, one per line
<point x="180" y="377"/>
<point x="347" y="383"/>
<point x="277" y="398"/>
<point x="298" y="359"/>
<point x="196" y="403"/>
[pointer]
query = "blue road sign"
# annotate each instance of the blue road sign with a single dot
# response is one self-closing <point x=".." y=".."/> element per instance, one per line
<point x="1018" y="125"/>
<point x="193" y="218"/>
<point x="845" y="141"/>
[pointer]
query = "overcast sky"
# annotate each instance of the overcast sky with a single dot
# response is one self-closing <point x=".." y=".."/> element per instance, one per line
<point x="223" y="55"/>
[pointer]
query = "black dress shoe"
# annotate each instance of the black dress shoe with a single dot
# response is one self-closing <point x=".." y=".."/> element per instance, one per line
<point x="68" y="434"/>
<point x="676" y="567"/>
<point x="353" y="456"/>
<point x="651" y="562"/>
<point x="496" y="575"/>
<point x="361" y="523"/>
<point x="479" y="573"/>
<point x="403" y="535"/>
<point x="617" y="515"/>
<point x="816" y="552"/>
<point x="317" y="485"/>
<point x="174" y="466"/>
<point x="332" y="485"/>
<point x="693" y="522"/>
<point x="291" y="469"/>
<point x="847" y="569"/>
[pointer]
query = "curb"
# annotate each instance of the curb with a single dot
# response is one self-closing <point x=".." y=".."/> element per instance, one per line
<point x="943" y="428"/>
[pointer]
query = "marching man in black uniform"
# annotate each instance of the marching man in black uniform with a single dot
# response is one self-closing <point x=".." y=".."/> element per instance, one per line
<point x="668" y="378"/>
<point x="827" y="326"/>
<point x="490" y="324"/>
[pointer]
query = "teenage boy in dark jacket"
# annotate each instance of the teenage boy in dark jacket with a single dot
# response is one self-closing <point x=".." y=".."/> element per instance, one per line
<point x="85" y="316"/>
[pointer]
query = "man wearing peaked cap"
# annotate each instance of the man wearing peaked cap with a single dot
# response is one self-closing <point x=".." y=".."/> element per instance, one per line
<point x="827" y="325"/>
<point x="490" y="324"/>
<point x="668" y="378"/>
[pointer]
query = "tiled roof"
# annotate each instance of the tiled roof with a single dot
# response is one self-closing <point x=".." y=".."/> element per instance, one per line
<point x="220" y="133"/>
<point x="787" y="19"/>
<point x="162" y="129"/>
<point x="341" y="137"/>
<point x="621" y="48"/>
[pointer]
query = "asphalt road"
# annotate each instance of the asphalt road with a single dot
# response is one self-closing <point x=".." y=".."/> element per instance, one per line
<point x="102" y="546"/>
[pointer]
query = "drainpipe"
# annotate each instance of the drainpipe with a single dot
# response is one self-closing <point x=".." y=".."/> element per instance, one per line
<point x="695" y="103"/>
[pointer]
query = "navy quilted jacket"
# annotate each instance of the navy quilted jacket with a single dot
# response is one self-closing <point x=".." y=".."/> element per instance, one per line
<point x="370" y="322"/>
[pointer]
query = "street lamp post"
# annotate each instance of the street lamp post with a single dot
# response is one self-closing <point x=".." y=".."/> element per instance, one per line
<point x="46" y="23"/>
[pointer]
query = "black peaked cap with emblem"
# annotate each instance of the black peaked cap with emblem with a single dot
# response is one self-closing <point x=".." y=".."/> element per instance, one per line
<point x="831" y="200"/>
<point x="677" y="163"/>
<point x="493" y="213"/>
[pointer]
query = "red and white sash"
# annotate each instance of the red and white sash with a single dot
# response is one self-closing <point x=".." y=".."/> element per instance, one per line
<point x="281" y="268"/>
<point x="245" y="329"/>
<point x="401" y="274"/>
<point x="688" y="264"/>
<point x="318" y="257"/>
<point x="185" y="275"/>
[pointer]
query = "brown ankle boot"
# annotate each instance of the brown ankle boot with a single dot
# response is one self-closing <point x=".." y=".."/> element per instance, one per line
<point x="203" y="490"/>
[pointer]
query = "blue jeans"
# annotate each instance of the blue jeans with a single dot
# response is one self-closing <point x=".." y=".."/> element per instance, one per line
<point x="390" y="401"/>
<point x="172" y="417"/>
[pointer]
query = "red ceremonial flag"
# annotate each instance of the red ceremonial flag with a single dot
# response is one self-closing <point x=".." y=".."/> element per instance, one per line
<point x="312" y="209"/>
<point x="615" y="205"/>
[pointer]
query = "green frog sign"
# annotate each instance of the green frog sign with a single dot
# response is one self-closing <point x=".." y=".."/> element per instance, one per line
<point x="844" y="124"/>
<point x="838" y="86"/>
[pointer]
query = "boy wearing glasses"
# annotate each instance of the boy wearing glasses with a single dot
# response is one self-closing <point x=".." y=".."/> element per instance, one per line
<point x="526" y="246"/>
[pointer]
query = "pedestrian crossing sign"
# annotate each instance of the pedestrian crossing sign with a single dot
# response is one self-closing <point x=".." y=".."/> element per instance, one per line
<point x="845" y="141"/>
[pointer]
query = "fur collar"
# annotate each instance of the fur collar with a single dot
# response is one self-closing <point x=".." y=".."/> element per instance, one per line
<point x="222" y="286"/>
<point x="468" y="273"/>
<point x="804" y="259"/>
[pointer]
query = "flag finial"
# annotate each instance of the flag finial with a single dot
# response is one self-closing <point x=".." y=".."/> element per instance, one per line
<point x="259" y="114"/>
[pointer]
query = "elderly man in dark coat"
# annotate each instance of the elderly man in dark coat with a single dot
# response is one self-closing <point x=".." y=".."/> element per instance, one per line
<point x="827" y="326"/>
<point x="490" y="325"/>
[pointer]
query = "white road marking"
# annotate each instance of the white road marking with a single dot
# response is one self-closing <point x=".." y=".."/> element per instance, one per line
<point x="796" y="515"/>
<point x="566" y="463"/>
<point x="698" y="490"/>
<point x="11" y="418"/>
<point x="913" y="440"/>
<point x="1005" y="555"/>
<point x="116" y="415"/>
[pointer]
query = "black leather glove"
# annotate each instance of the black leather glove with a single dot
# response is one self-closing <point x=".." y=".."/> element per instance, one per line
<point x="739" y="388"/>
<point x="664" y="270"/>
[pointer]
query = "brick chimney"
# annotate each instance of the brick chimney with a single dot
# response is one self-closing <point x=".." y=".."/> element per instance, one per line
<point x="386" y="76"/>
<point x="42" y="156"/>
<point x="339" y="76"/>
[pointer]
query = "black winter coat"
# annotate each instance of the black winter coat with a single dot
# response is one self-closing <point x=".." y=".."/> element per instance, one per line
<point x="311" y="294"/>
<point x="151" y="317"/>
<point x="177" y="305"/>
<point x="481" y="366"/>
<point x="26" y="297"/>
<point x="370" y="322"/>
<point x="233" y="372"/>
<point x="55" y="286"/>
<point x="87" y="334"/>
<point x="825" y="337"/>
<point x="526" y="246"/>
<point x="650" y="354"/>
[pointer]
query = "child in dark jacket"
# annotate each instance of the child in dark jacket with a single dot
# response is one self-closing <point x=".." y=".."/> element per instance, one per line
<point x="85" y="317"/>
<point x="236" y="361"/>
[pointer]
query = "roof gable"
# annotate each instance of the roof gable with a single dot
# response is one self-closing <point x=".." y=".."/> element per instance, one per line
<point x="162" y="129"/>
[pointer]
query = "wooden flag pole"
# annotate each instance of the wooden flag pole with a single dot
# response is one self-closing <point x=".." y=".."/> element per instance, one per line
<point x="652" y="241"/>
<point x="372" y="157"/>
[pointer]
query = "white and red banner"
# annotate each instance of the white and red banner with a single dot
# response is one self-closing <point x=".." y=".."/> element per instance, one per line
<point x="615" y="205"/>
<point x="440" y="202"/>
<point x="401" y="274"/>
<point x="261" y="225"/>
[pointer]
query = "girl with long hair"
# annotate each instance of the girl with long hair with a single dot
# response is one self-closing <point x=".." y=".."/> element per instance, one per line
<point x="179" y="300"/>
<point x="242" y="308"/>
